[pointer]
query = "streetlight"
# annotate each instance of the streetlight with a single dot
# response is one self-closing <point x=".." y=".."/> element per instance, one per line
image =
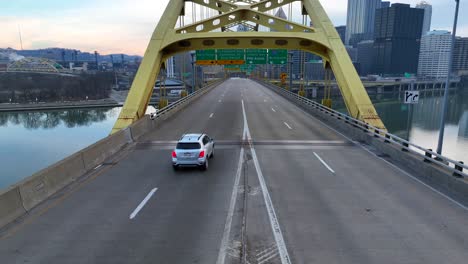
<point x="447" y="83"/>
<point x="192" y="53"/>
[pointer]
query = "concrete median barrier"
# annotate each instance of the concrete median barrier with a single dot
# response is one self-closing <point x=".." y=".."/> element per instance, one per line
<point x="11" y="206"/>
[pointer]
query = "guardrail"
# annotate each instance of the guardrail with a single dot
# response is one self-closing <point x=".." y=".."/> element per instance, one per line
<point x="427" y="155"/>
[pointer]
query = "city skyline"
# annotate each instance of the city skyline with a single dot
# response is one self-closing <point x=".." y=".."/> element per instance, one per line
<point x="127" y="27"/>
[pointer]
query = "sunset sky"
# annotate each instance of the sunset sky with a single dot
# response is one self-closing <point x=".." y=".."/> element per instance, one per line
<point x="125" y="26"/>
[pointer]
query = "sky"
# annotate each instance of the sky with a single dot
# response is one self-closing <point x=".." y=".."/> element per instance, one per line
<point x="125" y="26"/>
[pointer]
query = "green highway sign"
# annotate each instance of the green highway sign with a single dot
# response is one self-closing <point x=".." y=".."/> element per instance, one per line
<point x="256" y="56"/>
<point x="209" y="54"/>
<point x="277" y="56"/>
<point x="231" y="54"/>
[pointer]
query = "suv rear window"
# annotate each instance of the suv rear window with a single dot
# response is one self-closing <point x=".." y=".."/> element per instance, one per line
<point x="188" y="146"/>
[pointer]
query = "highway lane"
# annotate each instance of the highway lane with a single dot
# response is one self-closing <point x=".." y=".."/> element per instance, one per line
<point x="301" y="183"/>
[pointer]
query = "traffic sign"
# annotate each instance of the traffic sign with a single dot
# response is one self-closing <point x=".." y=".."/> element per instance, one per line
<point x="207" y="55"/>
<point x="277" y="56"/>
<point x="206" y="62"/>
<point x="231" y="54"/>
<point x="411" y="97"/>
<point x="224" y="62"/>
<point x="256" y="56"/>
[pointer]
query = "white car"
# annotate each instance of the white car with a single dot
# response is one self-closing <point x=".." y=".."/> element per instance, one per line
<point x="193" y="150"/>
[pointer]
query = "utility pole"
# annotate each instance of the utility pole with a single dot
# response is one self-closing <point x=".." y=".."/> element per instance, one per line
<point x="447" y="83"/>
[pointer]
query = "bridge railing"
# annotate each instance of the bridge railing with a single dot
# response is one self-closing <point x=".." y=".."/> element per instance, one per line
<point x="427" y="155"/>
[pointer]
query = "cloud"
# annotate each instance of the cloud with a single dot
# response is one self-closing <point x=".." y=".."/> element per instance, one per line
<point x="125" y="26"/>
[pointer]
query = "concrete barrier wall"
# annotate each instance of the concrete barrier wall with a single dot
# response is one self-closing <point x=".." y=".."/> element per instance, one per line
<point x="430" y="173"/>
<point x="25" y="195"/>
<point x="11" y="206"/>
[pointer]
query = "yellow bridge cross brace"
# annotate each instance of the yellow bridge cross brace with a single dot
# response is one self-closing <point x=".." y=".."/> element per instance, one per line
<point x="322" y="39"/>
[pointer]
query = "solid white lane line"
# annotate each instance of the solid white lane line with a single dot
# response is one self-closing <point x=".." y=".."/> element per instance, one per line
<point x="140" y="206"/>
<point x="275" y="226"/>
<point x="211" y="115"/>
<point x="232" y="205"/>
<point x="272" y="109"/>
<point x="287" y="125"/>
<point x="324" y="163"/>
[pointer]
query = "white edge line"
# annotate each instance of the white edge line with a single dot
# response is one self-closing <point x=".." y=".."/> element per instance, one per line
<point x="287" y="125"/>
<point x="140" y="206"/>
<point x="232" y="206"/>
<point x="389" y="163"/>
<point x="275" y="226"/>
<point x="324" y="163"/>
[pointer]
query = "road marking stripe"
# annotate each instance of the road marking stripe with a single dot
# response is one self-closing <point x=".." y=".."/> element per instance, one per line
<point x="267" y="255"/>
<point x="98" y="166"/>
<point x="140" y="206"/>
<point x="275" y="226"/>
<point x="268" y="249"/>
<point x="267" y="259"/>
<point x="211" y="115"/>
<point x="324" y="163"/>
<point x="384" y="160"/>
<point x="272" y="109"/>
<point x="287" y="125"/>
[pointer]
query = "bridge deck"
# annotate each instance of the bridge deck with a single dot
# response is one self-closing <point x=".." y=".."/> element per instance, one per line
<point x="359" y="209"/>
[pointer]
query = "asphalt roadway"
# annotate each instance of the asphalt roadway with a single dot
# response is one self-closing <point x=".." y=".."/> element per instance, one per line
<point x="282" y="188"/>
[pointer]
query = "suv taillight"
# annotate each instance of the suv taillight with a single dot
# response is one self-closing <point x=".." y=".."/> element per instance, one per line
<point x="202" y="154"/>
<point x="174" y="155"/>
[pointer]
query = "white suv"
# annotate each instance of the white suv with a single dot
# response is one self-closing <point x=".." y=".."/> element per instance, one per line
<point x="193" y="150"/>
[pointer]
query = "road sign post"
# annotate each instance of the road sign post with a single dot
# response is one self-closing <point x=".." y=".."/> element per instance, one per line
<point x="411" y="97"/>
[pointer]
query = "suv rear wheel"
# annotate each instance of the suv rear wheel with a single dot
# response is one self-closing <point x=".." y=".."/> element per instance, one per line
<point x="205" y="165"/>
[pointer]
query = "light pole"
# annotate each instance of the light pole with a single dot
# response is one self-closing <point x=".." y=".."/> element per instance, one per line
<point x="192" y="53"/>
<point x="290" y="53"/>
<point x="447" y="83"/>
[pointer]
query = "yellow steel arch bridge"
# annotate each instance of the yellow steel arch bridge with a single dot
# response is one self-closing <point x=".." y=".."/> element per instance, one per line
<point x="212" y="33"/>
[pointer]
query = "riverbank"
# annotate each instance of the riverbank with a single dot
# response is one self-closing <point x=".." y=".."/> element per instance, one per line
<point x="59" y="105"/>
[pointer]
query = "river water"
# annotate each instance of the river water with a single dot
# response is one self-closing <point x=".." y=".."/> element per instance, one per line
<point x="31" y="141"/>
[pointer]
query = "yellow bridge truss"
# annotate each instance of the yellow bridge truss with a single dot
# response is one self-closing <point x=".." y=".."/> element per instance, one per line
<point x="321" y="39"/>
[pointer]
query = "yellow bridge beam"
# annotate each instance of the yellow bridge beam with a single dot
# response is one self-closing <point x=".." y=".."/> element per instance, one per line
<point x="322" y="40"/>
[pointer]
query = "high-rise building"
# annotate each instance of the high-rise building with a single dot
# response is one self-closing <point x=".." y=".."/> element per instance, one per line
<point x="342" y="32"/>
<point x="397" y="39"/>
<point x="360" y="19"/>
<point x="427" y="16"/>
<point x="385" y="4"/>
<point x="460" y="56"/>
<point x="242" y="28"/>
<point x="434" y="55"/>
<point x="365" y="56"/>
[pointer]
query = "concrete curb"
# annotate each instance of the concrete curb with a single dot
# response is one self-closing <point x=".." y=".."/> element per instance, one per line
<point x="435" y="176"/>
